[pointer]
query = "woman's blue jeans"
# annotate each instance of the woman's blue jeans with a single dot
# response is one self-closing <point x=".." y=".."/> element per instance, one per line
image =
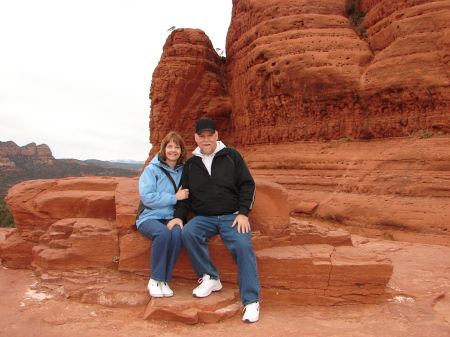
<point x="166" y="248"/>
<point x="196" y="234"/>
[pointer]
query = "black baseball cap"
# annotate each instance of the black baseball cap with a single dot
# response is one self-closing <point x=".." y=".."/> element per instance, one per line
<point x="205" y="124"/>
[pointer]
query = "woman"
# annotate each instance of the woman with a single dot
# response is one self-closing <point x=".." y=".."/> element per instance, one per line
<point x="158" y="188"/>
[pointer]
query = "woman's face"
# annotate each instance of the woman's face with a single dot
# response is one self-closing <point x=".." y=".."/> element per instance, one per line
<point x="173" y="151"/>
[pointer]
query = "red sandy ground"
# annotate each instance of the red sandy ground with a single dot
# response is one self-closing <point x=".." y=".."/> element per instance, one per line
<point x="419" y="305"/>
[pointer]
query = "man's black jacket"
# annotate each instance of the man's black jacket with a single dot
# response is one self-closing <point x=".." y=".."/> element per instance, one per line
<point x="229" y="189"/>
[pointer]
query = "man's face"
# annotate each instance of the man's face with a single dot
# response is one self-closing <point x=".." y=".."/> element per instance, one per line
<point x="207" y="142"/>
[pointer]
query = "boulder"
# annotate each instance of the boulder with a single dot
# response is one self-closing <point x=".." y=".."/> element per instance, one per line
<point x="37" y="204"/>
<point x="75" y="243"/>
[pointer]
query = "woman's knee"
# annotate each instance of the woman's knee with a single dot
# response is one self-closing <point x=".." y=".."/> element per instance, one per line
<point x="162" y="233"/>
<point x="176" y="232"/>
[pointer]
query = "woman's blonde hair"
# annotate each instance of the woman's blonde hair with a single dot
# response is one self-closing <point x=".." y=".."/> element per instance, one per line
<point x="176" y="138"/>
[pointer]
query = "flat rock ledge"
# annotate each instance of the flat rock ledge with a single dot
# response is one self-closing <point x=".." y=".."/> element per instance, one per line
<point x="79" y="237"/>
<point x="183" y="307"/>
<point x="294" y="275"/>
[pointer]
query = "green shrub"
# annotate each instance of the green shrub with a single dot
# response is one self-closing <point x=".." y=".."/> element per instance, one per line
<point x="350" y="5"/>
<point x="6" y="218"/>
<point x="356" y="17"/>
<point x="346" y="139"/>
<point x="423" y="134"/>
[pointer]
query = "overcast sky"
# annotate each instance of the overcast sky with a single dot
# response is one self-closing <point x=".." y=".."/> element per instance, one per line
<point x="76" y="75"/>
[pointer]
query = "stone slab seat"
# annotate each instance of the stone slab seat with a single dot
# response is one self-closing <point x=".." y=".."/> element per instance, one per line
<point x="293" y="275"/>
<point x="104" y="259"/>
<point x="322" y="275"/>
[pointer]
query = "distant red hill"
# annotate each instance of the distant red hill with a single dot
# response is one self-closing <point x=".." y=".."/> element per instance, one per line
<point x="33" y="161"/>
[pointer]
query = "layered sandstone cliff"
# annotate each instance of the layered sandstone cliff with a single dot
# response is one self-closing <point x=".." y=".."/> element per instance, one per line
<point x="294" y="69"/>
<point x="41" y="154"/>
<point x="297" y="70"/>
<point x="188" y="83"/>
<point x="301" y="80"/>
<point x="396" y="189"/>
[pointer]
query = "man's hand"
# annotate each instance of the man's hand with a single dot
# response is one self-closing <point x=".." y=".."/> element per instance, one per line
<point x="175" y="222"/>
<point x="243" y="226"/>
<point x="182" y="193"/>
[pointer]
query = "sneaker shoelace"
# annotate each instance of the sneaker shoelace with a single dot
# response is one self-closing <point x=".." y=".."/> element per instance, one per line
<point x="257" y="308"/>
<point x="200" y="280"/>
<point x="202" y="284"/>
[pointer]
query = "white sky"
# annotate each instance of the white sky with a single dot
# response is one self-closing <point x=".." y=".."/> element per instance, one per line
<point x="76" y="75"/>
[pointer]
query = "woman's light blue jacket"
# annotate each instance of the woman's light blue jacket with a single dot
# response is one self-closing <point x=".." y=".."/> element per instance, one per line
<point x="156" y="190"/>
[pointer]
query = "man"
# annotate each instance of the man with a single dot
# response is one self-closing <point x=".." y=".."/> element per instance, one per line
<point x="221" y="194"/>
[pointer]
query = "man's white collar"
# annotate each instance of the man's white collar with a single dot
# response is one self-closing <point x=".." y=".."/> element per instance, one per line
<point x="198" y="151"/>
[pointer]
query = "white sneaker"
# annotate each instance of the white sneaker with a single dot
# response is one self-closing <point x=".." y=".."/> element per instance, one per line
<point x="154" y="288"/>
<point x="251" y="314"/>
<point x="167" y="292"/>
<point x="206" y="286"/>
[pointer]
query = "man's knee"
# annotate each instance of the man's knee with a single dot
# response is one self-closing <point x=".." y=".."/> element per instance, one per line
<point x="164" y="233"/>
<point x="186" y="232"/>
<point x="240" y="246"/>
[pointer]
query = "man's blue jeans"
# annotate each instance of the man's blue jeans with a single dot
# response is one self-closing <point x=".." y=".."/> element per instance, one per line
<point x="166" y="248"/>
<point x="196" y="234"/>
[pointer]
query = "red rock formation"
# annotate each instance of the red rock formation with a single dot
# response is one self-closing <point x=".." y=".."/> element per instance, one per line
<point x="43" y="151"/>
<point x="393" y="188"/>
<point x="70" y="244"/>
<point x="407" y="84"/>
<point x="79" y="234"/>
<point x="40" y="153"/>
<point x="37" y="204"/>
<point x="209" y="310"/>
<point x="9" y="149"/>
<point x="294" y="67"/>
<point x="297" y="70"/>
<point x="126" y="199"/>
<point x="187" y="84"/>
<point x="15" y="251"/>
<point x="6" y="163"/>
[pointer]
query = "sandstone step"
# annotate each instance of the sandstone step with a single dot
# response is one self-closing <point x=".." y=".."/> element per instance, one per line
<point x="185" y="308"/>
<point x="322" y="274"/>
